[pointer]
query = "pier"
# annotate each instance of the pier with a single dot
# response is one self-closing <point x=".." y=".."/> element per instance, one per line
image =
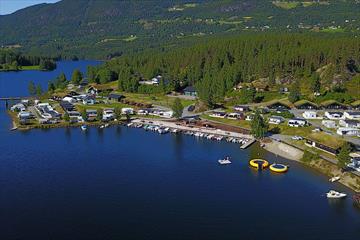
<point x="246" y="145"/>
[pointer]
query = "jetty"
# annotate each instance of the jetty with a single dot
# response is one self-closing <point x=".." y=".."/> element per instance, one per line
<point x="246" y="145"/>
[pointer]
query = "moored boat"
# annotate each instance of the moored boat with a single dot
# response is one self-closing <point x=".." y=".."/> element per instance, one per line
<point x="224" y="161"/>
<point x="335" y="195"/>
<point x="83" y="127"/>
<point x="334" y="179"/>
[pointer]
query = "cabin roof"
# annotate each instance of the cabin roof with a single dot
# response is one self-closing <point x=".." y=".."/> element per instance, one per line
<point x="190" y="89"/>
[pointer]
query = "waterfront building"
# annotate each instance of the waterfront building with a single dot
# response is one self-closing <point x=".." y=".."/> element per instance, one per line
<point x="276" y="120"/>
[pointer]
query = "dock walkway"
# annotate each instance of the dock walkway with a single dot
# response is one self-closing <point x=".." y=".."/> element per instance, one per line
<point x="246" y="145"/>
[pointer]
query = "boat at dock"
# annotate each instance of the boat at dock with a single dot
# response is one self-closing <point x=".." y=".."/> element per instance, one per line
<point x="335" y="195"/>
<point x="334" y="179"/>
<point x="224" y="161"/>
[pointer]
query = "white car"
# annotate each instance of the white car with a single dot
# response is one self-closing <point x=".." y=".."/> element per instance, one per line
<point x="296" y="138"/>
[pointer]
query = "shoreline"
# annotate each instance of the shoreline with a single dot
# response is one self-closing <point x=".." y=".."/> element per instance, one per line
<point x="284" y="150"/>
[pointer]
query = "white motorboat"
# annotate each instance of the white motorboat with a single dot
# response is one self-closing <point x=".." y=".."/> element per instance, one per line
<point x="224" y="161"/>
<point x="334" y="179"/>
<point x="102" y="126"/>
<point x="335" y="194"/>
<point x="83" y="127"/>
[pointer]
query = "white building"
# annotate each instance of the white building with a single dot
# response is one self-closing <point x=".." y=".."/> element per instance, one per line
<point x="126" y="111"/>
<point x="218" y="114"/>
<point x="234" y="116"/>
<point x="75" y="116"/>
<point x="348" y="131"/>
<point x="352" y="115"/>
<point x="297" y="122"/>
<point x="69" y="99"/>
<point x="328" y="123"/>
<point x="108" y="114"/>
<point x="311" y="115"/>
<point x="18" y="107"/>
<point x="349" y="123"/>
<point x="276" y="120"/>
<point x="241" y="108"/>
<point x="334" y="115"/>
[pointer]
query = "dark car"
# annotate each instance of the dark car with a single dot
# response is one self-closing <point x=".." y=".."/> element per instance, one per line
<point x="191" y="108"/>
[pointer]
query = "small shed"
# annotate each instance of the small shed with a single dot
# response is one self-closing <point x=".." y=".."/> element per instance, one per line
<point x="190" y="91"/>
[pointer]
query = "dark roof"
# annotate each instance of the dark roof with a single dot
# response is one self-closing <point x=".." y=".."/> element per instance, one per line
<point x="189" y="89"/>
<point x="117" y="96"/>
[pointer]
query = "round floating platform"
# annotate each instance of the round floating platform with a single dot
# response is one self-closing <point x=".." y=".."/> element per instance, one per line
<point x="259" y="163"/>
<point x="279" y="168"/>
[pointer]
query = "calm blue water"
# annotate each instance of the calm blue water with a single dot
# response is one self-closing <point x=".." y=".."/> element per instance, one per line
<point x="122" y="183"/>
<point x="15" y="84"/>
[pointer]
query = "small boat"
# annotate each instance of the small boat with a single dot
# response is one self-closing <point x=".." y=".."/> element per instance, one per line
<point x="13" y="129"/>
<point x="334" y="179"/>
<point x="335" y="194"/>
<point x="83" y="127"/>
<point x="106" y="125"/>
<point x="102" y="126"/>
<point x="224" y="161"/>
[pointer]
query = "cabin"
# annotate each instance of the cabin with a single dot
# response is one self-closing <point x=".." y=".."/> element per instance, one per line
<point x="108" y="114"/>
<point x="217" y="114"/>
<point x="241" y="108"/>
<point x="115" y="97"/>
<point x="46" y="111"/>
<point x="312" y="143"/>
<point x="92" y="91"/>
<point x="249" y="117"/>
<point x="311" y="115"/>
<point x="279" y="106"/>
<point x="349" y="123"/>
<point x="276" y="120"/>
<point x="161" y="113"/>
<point x="126" y="111"/>
<point x="91" y="114"/>
<point x="352" y="115"/>
<point x="75" y="117"/>
<point x="235" y="116"/>
<point x="304" y="104"/>
<point x="331" y="104"/>
<point x="347" y="131"/>
<point x="190" y="91"/>
<point x="18" y="108"/>
<point x="24" y="115"/>
<point x="297" y="122"/>
<point x="69" y="99"/>
<point x="68" y="107"/>
<point x="334" y="115"/>
<point x="328" y="123"/>
<point x="284" y="90"/>
<point x="89" y="100"/>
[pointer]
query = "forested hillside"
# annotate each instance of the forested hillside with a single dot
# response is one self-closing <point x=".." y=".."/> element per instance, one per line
<point x="106" y="28"/>
<point x="215" y="67"/>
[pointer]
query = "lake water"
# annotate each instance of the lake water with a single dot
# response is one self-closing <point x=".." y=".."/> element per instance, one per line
<point x="124" y="183"/>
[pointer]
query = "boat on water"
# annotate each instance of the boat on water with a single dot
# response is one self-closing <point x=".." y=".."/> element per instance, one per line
<point x="84" y="127"/>
<point x="13" y="129"/>
<point x="334" y="179"/>
<point x="224" y="161"/>
<point x="335" y="195"/>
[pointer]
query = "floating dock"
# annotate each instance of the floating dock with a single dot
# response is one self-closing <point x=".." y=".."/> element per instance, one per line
<point x="246" y="145"/>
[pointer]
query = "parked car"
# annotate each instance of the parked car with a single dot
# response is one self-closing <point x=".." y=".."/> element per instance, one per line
<point x="296" y="138"/>
<point x="191" y="108"/>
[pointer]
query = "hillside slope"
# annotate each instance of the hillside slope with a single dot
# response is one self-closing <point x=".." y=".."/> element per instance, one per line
<point x="94" y="28"/>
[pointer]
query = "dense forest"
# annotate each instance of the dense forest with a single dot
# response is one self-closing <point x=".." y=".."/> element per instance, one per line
<point x="100" y="29"/>
<point x="14" y="61"/>
<point x="216" y="67"/>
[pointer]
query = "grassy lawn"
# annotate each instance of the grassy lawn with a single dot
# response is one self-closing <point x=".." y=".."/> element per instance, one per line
<point x="286" y="5"/>
<point x="327" y="139"/>
<point x="237" y="123"/>
<point x="292" y="131"/>
<point x="24" y="68"/>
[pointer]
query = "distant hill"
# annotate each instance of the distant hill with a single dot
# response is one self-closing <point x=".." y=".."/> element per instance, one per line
<point x="100" y="28"/>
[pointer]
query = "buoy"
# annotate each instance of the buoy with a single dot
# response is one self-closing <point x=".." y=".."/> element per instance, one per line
<point x="259" y="163"/>
<point x="278" y="168"/>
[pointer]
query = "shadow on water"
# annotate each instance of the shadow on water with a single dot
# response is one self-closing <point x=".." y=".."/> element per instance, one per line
<point x="68" y="134"/>
<point x="178" y="144"/>
<point x="118" y="131"/>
